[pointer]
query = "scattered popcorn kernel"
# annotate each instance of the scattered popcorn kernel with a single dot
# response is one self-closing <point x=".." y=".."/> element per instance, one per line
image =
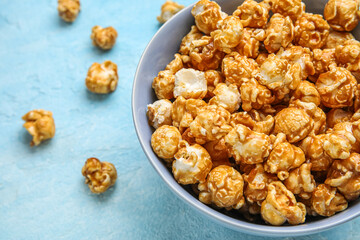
<point x="237" y="68"/>
<point x="301" y="182"/>
<point x="40" y="124"/>
<point x="326" y="201"/>
<point x="68" y="9"/>
<point x="247" y="146"/>
<point x="337" y="38"/>
<point x="165" y="141"/>
<point x="295" y="123"/>
<point x="159" y="113"/>
<point x="279" y="33"/>
<point x="279" y="75"/>
<point x="306" y="92"/>
<point x="291" y="8"/>
<point x="223" y="187"/>
<point x="342" y="15"/>
<point x="192" y="164"/>
<point x="103" y="38"/>
<point x="185" y="45"/>
<point x="345" y="176"/>
<point x="219" y="152"/>
<point x="190" y="83"/>
<point x="252" y="14"/>
<point x="102" y="78"/>
<point x="213" y="78"/>
<point x="207" y="14"/>
<point x="336" y="87"/>
<point x="337" y="115"/>
<point x="168" y="9"/>
<point x="211" y="123"/>
<point x="280" y="206"/>
<point x="227" y="97"/>
<point x="255" y="95"/>
<point x="250" y="42"/>
<point x="228" y="34"/>
<point x="311" y="31"/>
<point x="99" y="176"/>
<point x="254" y="120"/>
<point x="203" y="54"/>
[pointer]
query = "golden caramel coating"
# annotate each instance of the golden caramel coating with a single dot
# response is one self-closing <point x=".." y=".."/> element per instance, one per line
<point x="336" y="87"/>
<point x="306" y="92"/>
<point x="255" y="95"/>
<point x="298" y="54"/>
<point x="207" y="14"/>
<point x="247" y="146"/>
<point x="213" y="78"/>
<point x="211" y="123"/>
<point x="40" y="124"/>
<point x="342" y="15"/>
<point x="250" y="42"/>
<point x="313" y="147"/>
<point x="257" y="183"/>
<point x="228" y="34"/>
<point x="192" y="164"/>
<point x="184" y="112"/>
<point x="188" y="137"/>
<point x="252" y="14"/>
<point x="326" y="201"/>
<point x="185" y="45"/>
<point x="237" y="68"/>
<point x="219" y="152"/>
<point x="99" y="176"/>
<point x="337" y="115"/>
<point x="168" y="9"/>
<point x="190" y="83"/>
<point x="104" y="38"/>
<point x="348" y="55"/>
<point x="279" y="33"/>
<point x="163" y="84"/>
<point x="223" y="187"/>
<point x="227" y="97"/>
<point x="203" y="54"/>
<point x="280" y="206"/>
<point x="261" y="58"/>
<point x="345" y="176"/>
<point x="254" y="120"/>
<point x="102" y="78"/>
<point x="159" y="113"/>
<point x="311" y="31"/>
<point x="68" y="9"/>
<point x="176" y="64"/>
<point x="337" y="38"/>
<point x="295" y="123"/>
<point x="322" y="60"/>
<point x="301" y="182"/>
<point x="291" y="8"/>
<point x="279" y="75"/>
<point x="165" y="142"/>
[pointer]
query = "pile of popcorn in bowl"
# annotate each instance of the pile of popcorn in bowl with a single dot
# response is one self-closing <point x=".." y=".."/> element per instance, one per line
<point x="259" y="111"/>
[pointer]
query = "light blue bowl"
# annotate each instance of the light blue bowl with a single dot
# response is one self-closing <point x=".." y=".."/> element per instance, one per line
<point x="159" y="52"/>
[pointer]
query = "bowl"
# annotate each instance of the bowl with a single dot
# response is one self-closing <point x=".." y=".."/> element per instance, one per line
<point x="159" y="52"/>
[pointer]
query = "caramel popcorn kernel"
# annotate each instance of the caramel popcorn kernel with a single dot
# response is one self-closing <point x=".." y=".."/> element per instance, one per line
<point x="168" y="9"/>
<point x="103" y="38"/>
<point x="165" y="142"/>
<point x="102" y="78"/>
<point x="68" y="9"/>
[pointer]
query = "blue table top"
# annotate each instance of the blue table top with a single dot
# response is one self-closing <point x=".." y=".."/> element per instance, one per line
<point x="44" y="62"/>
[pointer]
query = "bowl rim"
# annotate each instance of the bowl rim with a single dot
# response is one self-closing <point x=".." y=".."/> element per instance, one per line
<point x="227" y="221"/>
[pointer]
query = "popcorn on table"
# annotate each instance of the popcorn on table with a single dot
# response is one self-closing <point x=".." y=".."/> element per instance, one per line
<point x="40" y="124"/>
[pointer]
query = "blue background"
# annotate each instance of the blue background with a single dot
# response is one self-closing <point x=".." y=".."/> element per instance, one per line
<point x="43" y="64"/>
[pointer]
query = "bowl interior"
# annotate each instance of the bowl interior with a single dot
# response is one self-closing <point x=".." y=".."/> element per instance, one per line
<point x="159" y="52"/>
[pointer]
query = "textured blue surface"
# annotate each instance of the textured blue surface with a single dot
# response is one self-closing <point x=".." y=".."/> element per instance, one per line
<point x="43" y="64"/>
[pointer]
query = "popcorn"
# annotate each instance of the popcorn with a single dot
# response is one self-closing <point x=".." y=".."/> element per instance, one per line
<point x="342" y="15"/>
<point x="345" y="176"/>
<point x="337" y="38"/>
<point x="348" y="55"/>
<point x="254" y="120"/>
<point x="102" y="78"/>
<point x="322" y="60"/>
<point x="292" y="8"/>
<point x="99" y="176"/>
<point x="250" y="42"/>
<point x="207" y="14"/>
<point x="165" y="142"/>
<point x="68" y="9"/>
<point x="192" y="164"/>
<point x="103" y="38"/>
<point x="326" y="201"/>
<point x="190" y="83"/>
<point x="306" y="92"/>
<point x="247" y="146"/>
<point x="227" y="97"/>
<point x="336" y="87"/>
<point x="219" y="152"/>
<point x="311" y="31"/>
<point x="168" y="10"/>
<point x="255" y="95"/>
<point x="223" y="187"/>
<point x="337" y="115"/>
<point x="213" y="78"/>
<point x="159" y="113"/>
<point x="252" y="14"/>
<point x="185" y="45"/>
<point x="279" y="33"/>
<point x="301" y="182"/>
<point x="280" y="206"/>
<point x="40" y="124"/>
